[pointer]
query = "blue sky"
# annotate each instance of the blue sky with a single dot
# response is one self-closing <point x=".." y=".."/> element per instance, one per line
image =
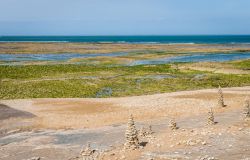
<point x="124" y="17"/>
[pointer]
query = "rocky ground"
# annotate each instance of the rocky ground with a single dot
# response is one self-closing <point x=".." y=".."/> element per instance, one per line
<point x="59" y="128"/>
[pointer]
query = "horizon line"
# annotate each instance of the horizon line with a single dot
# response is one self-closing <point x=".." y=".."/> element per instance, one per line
<point x="127" y="35"/>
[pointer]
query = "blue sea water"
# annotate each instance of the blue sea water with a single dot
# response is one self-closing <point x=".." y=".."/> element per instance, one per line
<point x="219" y="39"/>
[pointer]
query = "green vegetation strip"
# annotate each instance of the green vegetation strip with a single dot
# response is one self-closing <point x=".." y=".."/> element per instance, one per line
<point x="242" y="64"/>
<point x="61" y="81"/>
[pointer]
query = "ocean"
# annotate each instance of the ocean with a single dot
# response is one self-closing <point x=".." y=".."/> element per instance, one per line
<point x="226" y="39"/>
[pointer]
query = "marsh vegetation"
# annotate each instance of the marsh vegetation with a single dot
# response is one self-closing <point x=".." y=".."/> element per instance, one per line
<point x="108" y="70"/>
<point x="42" y="81"/>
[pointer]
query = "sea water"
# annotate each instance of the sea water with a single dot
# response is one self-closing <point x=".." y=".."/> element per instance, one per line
<point x="212" y="39"/>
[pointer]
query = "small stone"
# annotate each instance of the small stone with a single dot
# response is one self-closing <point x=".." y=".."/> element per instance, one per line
<point x="35" y="158"/>
<point x="191" y="142"/>
<point x="204" y="143"/>
<point x="123" y="157"/>
<point x="112" y="154"/>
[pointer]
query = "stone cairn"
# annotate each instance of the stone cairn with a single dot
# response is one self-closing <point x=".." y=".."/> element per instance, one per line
<point x="87" y="153"/>
<point x="220" y="98"/>
<point x="173" y="125"/>
<point x="210" y="117"/>
<point x="246" y="112"/>
<point x="131" y="135"/>
<point x="143" y="132"/>
<point x="150" y="131"/>
<point x="147" y="133"/>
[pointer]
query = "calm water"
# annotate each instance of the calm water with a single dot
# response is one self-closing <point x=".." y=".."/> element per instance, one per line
<point x="215" y="57"/>
<point x="199" y="57"/>
<point x="53" y="57"/>
<point x="131" y="39"/>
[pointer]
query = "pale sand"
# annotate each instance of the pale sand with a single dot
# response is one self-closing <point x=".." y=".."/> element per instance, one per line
<point x="46" y="133"/>
<point x="93" y="112"/>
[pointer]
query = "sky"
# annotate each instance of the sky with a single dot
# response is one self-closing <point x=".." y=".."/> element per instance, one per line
<point x="124" y="17"/>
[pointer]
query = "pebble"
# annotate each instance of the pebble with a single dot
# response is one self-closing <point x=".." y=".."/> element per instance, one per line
<point x="204" y="143"/>
<point x="178" y="143"/>
<point x="112" y="154"/>
<point x="190" y="142"/>
<point x="123" y="157"/>
<point x="35" y="158"/>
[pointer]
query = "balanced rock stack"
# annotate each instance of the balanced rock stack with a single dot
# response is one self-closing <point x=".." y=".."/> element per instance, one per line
<point x="220" y="98"/>
<point x="146" y="131"/>
<point x="247" y="109"/>
<point x="143" y="132"/>
<point x="87" y="153"/>
<point x="150" y="131"/>
<point x="150" y="135"/>
<point x="173" y="125"/>
<point x="131" y="135"/>
<point x="210" y="118"/>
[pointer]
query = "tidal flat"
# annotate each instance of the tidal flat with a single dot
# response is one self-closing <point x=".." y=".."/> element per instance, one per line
<point x="80" y="70"/>
<point x="56" y="99"/>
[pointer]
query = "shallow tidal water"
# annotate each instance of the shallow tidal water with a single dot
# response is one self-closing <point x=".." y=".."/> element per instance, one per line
<point x="53" y="57"/>
<point x="8" y="59"/>
<point x="214" y="57"/>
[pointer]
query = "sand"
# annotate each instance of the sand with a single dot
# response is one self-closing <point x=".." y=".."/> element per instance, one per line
<point x="57" y="128"/>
